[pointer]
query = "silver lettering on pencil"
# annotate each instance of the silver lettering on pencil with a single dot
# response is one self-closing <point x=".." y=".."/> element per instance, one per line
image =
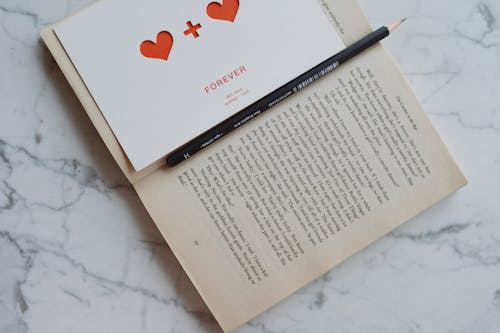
<point x="209" y="142"/>
<point x="276" y="101"/>
<point x="316" y="76"/>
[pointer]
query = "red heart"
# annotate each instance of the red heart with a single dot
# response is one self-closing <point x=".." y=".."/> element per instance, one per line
<point x="159" y="50"/>
<point x="226" y="11"/>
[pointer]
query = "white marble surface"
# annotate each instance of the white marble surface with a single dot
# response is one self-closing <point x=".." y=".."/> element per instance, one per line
<point x="78" y="252"/>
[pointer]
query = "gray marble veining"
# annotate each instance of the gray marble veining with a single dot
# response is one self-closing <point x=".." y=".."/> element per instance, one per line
<point x="63" y="202"/>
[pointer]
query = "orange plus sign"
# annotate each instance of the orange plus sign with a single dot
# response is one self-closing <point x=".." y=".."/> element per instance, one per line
<point x="193" y="30"/>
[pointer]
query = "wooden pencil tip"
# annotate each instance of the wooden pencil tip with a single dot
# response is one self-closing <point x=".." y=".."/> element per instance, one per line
<point x="396" y="24"/>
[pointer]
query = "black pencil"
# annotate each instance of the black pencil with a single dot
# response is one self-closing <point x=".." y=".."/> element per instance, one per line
<point x="277" y="96"/>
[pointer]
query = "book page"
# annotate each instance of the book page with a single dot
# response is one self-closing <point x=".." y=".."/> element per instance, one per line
<point x="284" y="199"/>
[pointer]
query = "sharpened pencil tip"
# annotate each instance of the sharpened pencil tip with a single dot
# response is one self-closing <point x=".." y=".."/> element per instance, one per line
<point x="394" y="25"/>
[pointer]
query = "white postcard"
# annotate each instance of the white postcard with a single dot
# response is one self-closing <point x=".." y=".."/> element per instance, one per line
<point x="162" y="71"/>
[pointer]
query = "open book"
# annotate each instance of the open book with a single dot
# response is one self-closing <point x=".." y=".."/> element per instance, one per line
<point x="296" y="191"/>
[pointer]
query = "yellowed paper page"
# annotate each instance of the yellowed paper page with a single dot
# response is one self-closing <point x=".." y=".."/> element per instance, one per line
<point x="287" y="197"/>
